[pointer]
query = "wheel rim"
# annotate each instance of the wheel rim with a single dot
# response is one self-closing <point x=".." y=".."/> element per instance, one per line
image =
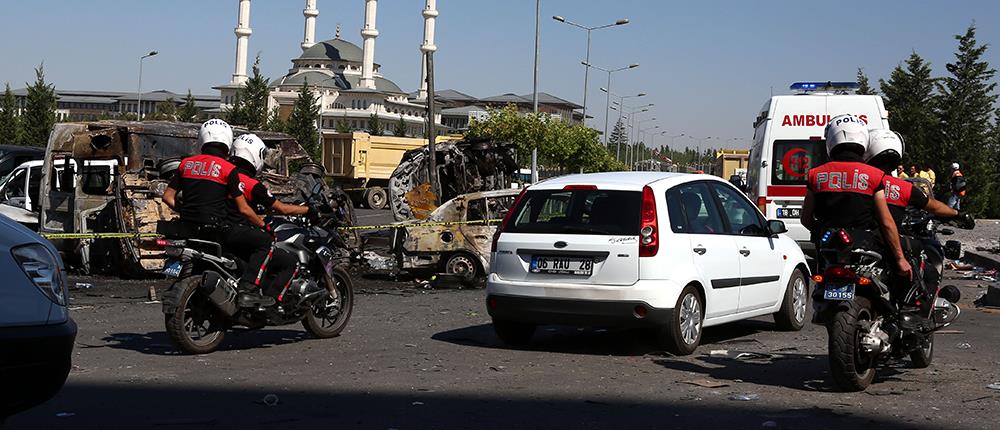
<point x="799" y="299"/>
<point x="690" y="319"/>
<point x="377" y="199"/>
<point x="328" y="311"/>
<point x="462" y="266"/>
<point x="198" y="325"/>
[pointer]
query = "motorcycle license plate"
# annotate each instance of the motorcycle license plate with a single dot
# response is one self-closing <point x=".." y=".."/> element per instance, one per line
<point x="172" y="269"/>
<point x="562" y="265"/>
<point x="838" y="292"/>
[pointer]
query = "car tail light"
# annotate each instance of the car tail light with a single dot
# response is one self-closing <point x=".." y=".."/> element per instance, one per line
<point x="580" y="188"/>
<point x="649" y="241"/>
<point x="42" y="269"/>
<point x="506" y="219"/>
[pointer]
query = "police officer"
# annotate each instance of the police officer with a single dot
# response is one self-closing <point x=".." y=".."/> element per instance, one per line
<point x="847" y="193"/>
<point x="248" y="157"/>
<point x="199" y="192"/>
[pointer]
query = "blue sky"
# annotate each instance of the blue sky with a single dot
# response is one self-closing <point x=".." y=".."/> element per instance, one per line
<point x="707" y="65"/>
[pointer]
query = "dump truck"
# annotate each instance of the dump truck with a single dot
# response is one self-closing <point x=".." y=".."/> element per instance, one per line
<point x="362" y="163"/>
<point x="729" y="162"/>
<point x="129" y="200"/>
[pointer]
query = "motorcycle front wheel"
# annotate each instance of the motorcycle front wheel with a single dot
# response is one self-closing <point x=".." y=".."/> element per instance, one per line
<point x="329" y="315"/>
<point x="194" y="326"/>
<point x="852" y="368"/>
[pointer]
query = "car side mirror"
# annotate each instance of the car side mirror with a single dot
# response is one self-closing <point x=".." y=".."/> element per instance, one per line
<point x="776" y="227"/>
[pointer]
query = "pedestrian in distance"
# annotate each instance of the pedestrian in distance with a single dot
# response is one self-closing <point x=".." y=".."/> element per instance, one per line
<point x="957" y="187"/>
<point x="913" y="172"/>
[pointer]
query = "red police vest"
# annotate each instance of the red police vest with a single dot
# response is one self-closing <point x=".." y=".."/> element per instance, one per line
<point x="897" y="191"/>
<point x="247" y="185"/>
<point x="206" y="168"/>
<point x="845" y="177"/>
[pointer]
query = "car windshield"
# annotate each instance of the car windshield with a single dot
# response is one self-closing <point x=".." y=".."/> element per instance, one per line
<point x="793" y="159"/>
<point x="594" y="212"/>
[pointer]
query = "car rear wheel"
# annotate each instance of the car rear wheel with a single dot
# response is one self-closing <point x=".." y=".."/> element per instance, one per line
<point x="682" y="334"/>
<point x="463" y="267"/>
<point x="795" y="305"/>
<point x="376" y="198"/>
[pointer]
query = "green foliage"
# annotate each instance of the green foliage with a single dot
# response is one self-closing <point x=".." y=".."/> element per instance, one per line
<point x="302" y="121"/>
<point x="375" y="126"/>
<point x="343" y="125"/>
<point x="10" y="121"/>
<point x="39" y="111"/>
<point x="249" y="108"/>
<point x="274" y="122"/>
<point x="188" y="111"/>
<point x="909" y="97"/>
<point x="863" y="87"/>
<point x="401" y="127"/>
<point x="165" y="111"/>
<point x="618" y="137"/>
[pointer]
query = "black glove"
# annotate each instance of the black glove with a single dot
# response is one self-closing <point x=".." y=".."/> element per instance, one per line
<point x="964" y="220"/>
<point x="312" y="214"/>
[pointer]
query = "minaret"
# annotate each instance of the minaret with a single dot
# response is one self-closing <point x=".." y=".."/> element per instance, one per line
<point x="242" y="39"/>
<point x="369" y="33"/>
<point x="310" y="12"/>
<point x="430" y="14"/>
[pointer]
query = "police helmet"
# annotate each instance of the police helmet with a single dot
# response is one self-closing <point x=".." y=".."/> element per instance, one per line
<point x="251" y="149"/>
<point x="216" y="131"/>
<point x="846" y="132"/>
<point x="885" y="148"/>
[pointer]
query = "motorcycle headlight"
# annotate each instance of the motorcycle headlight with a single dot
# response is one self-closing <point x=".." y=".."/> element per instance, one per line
<point x="43" y="269"/>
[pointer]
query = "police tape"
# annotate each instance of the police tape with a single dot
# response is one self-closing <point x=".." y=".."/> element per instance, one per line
<point x="418" y="224"/>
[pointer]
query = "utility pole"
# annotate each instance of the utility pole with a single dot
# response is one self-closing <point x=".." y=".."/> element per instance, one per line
<point x="432" y="176"/>
<point x="534" y="96"/>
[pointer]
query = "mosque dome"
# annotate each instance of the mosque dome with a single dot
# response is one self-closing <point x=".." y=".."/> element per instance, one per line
<point x="334" y="50"/>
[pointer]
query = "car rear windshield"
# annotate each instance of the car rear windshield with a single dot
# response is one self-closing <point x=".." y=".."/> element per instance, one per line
<point x="595" y="212"/>
<point x="793" y="159"/>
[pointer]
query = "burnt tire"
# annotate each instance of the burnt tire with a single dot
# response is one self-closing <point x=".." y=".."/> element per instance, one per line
<point x="376" y="198"/>
<point x="682" y="334"/>
<point x="851" y="368"/>
<point x="795" y="305"/>
<point x="464" y="268"/>
<point x="513" y="333"/>
<point x="922" y="357"/>
<point x="194" y="326"/>
<point x="329" y="316"/>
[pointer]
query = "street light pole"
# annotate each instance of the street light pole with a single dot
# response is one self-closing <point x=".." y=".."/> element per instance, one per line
<point x="534" y="95"/>
<point x="138" y="106"/>
<point x="621" y="112"/>
<point x="586" y="70"/>
<point x="607" y="107"/>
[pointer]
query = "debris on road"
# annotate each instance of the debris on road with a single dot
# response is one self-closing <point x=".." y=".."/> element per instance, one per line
<point x="748" y="397"/>
<point x="964" y="345"/>
<point x="991" y="298"/>
<point x="82" y="286"/>
<point x="753" y="356"/>
<point x="705" y="383"/>
<point x="65" y="414"/>
<point x="718" y="353"/>
<point x="270" y="400"/>
<point x="994" y="386"/>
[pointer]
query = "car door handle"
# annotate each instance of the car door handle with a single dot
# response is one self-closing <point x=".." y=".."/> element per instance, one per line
<point x="700" y="250"/>
<point x="745" y="252"/>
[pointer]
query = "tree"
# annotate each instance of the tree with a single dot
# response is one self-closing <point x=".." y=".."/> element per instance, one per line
<point x="302" y="121"/>
<point x="39" y="110"/>
<point x="165" y="111"/>
<point x="375" y="126"/>
<point x="618" y="136"/>
<point x="909" y="97"/>
<point x="188" y="111"/>
<point x="275" y="122"/>
<point x="249" y="108"/>
<point x="10" y="122"/>
<point x="863" y="87"/>
<point x="401" y="127"/>
<point x="965" y="110"/>
<point x="343" y="125"/>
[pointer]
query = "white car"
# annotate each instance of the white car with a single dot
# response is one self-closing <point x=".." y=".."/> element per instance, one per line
<point x="36" y="331"/>
<point x="676" y="252"/>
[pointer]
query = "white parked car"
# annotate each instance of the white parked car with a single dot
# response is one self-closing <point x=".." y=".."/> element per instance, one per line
<point x="36" y="332"/>
<point x="676" y="252"/>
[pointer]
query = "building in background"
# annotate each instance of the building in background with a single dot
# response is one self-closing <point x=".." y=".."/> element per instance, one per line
<point x="74" y="105"/>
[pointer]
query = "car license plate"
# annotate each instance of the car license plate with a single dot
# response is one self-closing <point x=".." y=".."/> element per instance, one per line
<point x="789" y="212"/>
<point x="838" y="292"/>
<point x="583" y="266"/>
<point x="172" y="269"/>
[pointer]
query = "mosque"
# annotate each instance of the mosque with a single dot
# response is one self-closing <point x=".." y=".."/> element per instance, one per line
<point x="346" y="78"/>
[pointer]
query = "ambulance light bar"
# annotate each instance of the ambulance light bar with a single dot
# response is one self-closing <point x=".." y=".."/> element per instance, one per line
<point x="824" y="86"/>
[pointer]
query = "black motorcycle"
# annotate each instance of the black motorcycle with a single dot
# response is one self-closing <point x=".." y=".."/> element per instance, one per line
<point x="204" y="301"/>
<point x="870" y="316"/>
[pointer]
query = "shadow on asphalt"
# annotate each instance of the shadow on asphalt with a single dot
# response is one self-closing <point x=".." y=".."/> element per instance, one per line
<point x="158" y="342"/>
<point x="110" y="405"/>
<point x="587" y="341"/>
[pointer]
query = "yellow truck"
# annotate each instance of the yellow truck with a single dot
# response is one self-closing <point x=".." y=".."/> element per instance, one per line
<point x="362" y="163"/>
<point x="729" y="162"/>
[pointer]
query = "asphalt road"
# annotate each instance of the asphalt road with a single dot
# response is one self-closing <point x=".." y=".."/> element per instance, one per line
<point x="416" y="358"/>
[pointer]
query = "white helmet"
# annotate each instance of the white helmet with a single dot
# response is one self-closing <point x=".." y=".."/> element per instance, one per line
<point x="954" y="166"/>
<point x="249" y="147"/>
<point x="216" y="130"/>
<point x="884" y="143"/>
<point x="846" y="128"/>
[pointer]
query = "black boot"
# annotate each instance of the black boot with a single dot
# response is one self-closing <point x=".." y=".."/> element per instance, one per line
<point x="250" y="296"/>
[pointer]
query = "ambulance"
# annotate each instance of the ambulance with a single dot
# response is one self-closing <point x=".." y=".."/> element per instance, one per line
<point x="788" y="141"/>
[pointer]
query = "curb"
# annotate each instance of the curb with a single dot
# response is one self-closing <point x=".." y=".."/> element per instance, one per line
<point x="982" y="259"/>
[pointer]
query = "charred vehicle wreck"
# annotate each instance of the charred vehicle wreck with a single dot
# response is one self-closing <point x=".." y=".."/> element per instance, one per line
<point x="128" y="197"/>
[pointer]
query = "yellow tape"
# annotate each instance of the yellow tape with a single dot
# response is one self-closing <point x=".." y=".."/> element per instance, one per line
<point x="421" y="224"/>
<point x="99" y="235"/>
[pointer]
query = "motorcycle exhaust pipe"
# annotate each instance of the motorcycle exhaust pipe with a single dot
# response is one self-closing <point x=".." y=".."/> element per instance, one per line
<point x="219" y="292"/>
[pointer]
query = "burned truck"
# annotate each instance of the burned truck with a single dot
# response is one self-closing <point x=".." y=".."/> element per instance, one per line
<point x="466" y="166"/>
<point x="127" y="198"/>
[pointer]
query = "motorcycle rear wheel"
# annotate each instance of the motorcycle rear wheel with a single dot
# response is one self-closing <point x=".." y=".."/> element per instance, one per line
<point x="922" y="357"/>
<point x="194" y="327"/>
<point x="329" y="316"/>
<point x="851" y="367"/>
